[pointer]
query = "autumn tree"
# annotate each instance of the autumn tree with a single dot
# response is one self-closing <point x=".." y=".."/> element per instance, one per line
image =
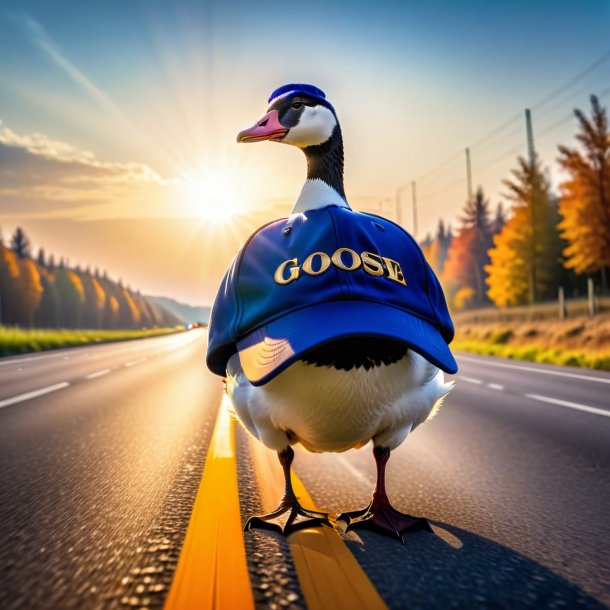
<point x="48" y="314"/>
<point x="468" y="254"/>
<point x="28" y="292"/>
<point x="437" y="247"/>
<point x="525" y="257"/>
<point x="9" y="281"/>
<point x="71" y="297"/>
<point x="585" y="195"/>
<point x="95" y="301"/>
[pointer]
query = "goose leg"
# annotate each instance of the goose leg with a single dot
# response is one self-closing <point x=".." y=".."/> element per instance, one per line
<point x="289" y="516"/>
<point x="380" y="515"/>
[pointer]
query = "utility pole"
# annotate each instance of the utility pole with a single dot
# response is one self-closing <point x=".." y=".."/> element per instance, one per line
<point x="531" y="153"/>
<point x="398" y="209"/>
<point x="468" y="174"/>
<point x="414" y="201"/>
<point x="532" y="159"/>
<point x="398" y="203"/>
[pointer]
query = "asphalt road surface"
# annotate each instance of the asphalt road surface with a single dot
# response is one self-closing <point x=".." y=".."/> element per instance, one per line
<point x="102" y="449"/>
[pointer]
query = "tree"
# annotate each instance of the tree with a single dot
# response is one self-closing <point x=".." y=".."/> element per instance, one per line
<point x="71" y="297"/>
<point x="524" y="259"/>
<point x="468" y="253"/>
<point x="435" y="248"/>
<point x="585" y="195"/>
<point x="20" y="244"/>
<point x="49" y="309"/>
<point x="10" y="274"/>
<point x="41" y="259"/>
<point x="29" y="292"/>
<point x="500" y="219"/>
<point x="95" y="300"/>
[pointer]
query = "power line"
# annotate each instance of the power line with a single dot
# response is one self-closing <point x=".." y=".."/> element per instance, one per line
<point x="448" y="161"/>
<point x="513" y="124"/>
<point x="544" y="101"/>
<point x="515" y="118"/>
<point x="598" y="62"/>
<point x="497" y="130"/>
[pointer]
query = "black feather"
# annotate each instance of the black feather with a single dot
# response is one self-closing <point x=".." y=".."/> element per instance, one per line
<point x="356" y="352"/>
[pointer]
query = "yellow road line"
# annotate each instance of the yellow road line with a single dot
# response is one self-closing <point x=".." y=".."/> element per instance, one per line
<point x="212" y="572"/>
<point x="330" y="576"/>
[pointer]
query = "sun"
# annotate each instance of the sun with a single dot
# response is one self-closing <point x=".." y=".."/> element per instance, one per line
<point x="213" y="195"/>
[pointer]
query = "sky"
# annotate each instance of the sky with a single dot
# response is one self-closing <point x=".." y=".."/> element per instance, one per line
<point x="118" y="118"/>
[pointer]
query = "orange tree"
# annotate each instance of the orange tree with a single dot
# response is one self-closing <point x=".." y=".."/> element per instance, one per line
<point x="524" y="260"/>
<point x="585" y="195"/>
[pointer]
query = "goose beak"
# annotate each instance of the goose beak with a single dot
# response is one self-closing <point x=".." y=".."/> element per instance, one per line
<point x="267" y="128"/>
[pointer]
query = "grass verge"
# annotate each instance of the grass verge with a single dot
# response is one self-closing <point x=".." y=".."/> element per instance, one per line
<point x="579" y="341"/>
<point x="14" y="340"/>
<point x="537" y="353"/>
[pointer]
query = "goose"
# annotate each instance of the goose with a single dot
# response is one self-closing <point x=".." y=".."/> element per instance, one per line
<point x="329" y="326"/>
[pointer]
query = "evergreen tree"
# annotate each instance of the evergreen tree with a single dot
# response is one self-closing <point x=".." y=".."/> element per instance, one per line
<point x="585" y="198"/>
<point x="500" y="219"/>
<point x="468" y="253"/>
<point x="40" y="259"/>
<point x="20" y="244"/>
<point x="524" y="259"/>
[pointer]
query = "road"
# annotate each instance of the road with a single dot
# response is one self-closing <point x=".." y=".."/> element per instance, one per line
<point x="102" y="449"/>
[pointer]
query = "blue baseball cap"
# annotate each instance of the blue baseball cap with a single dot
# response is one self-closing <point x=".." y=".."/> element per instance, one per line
<point x="323" y="275"/>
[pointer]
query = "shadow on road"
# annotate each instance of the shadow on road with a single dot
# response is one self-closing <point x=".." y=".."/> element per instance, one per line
<point x="458" y="569"/>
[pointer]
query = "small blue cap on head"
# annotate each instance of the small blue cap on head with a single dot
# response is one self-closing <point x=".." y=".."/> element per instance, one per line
<point x="299" y="88"/>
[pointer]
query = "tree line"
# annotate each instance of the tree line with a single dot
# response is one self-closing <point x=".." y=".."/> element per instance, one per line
<point x="38" y="292"/>
<point x="545" y="241"/>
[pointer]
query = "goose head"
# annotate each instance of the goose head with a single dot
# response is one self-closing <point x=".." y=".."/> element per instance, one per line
<point x="297" y="114"/>
<point x="300" y="115"/>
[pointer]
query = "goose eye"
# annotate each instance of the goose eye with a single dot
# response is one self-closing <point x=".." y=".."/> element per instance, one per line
<point x="297" y="105"/>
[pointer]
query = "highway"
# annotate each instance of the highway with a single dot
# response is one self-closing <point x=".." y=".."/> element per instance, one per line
<point x="102" y="450"/>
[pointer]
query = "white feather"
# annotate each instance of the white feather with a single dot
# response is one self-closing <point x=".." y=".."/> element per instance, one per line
<point x="315" y="126"/>
<point x="317" y="194"/>
<point x="326" y="409"/>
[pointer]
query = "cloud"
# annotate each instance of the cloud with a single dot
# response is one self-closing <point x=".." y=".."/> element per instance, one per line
<point x="35" y="169"/>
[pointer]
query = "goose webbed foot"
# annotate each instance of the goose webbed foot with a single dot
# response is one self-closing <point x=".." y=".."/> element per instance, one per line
<point x="288" y="517"/>
<point x="380" y="516"/>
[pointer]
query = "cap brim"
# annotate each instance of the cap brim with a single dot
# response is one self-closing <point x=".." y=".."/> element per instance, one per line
<point x="269" y="350"/>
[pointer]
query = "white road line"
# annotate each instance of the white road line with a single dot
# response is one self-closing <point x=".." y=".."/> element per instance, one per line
<point x="486" y="362"/>
<point x="470" y="380"/>
<point x="28" y="395"/>
<point x="98" y="374"/>
<point x="569" y="405"/>
<point x="136" y="361"/>
<point x="29" y="359"/>
<point x="495" y="386"/>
